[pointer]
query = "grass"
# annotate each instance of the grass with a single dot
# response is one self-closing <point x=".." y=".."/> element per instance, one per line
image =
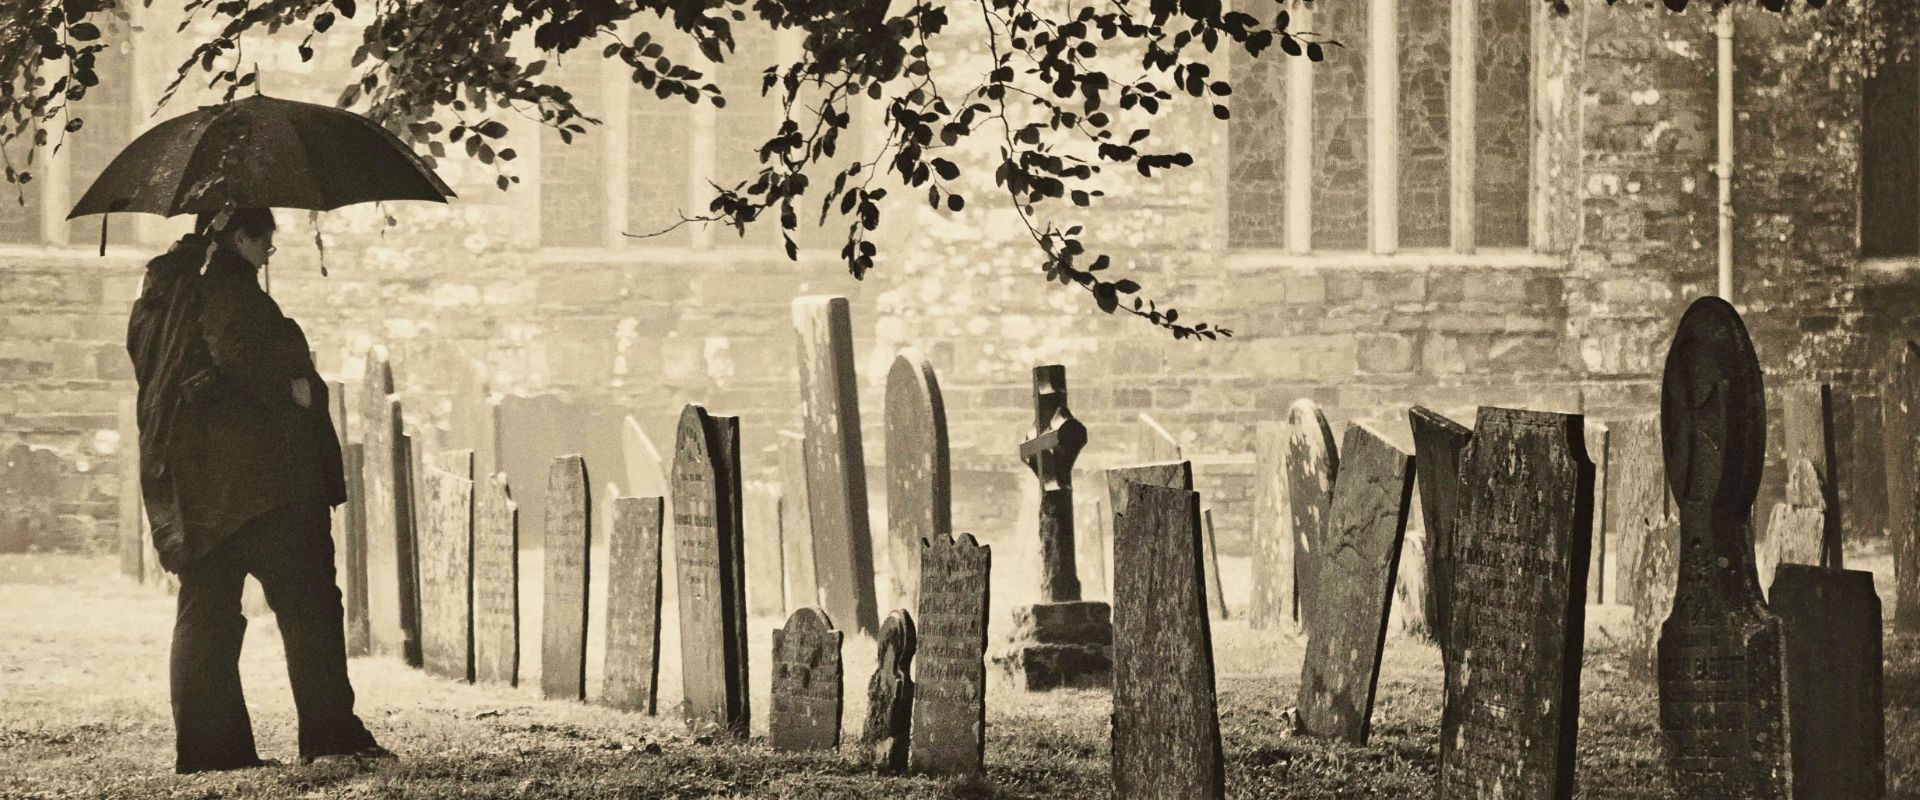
<point x="83" y="713"/>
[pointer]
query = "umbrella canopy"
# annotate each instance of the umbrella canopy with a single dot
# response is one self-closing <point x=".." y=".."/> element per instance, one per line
<point x="260" y="152"/>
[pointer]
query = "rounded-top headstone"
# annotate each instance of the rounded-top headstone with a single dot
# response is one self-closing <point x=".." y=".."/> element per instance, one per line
<point x="1713" y="409"/>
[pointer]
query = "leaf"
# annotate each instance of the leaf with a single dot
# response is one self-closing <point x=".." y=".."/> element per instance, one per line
<point x="956" y="202"/>
<point x="85" y="32"/>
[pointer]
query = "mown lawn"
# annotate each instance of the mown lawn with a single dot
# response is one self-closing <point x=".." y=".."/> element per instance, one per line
<point x="83" y="713"/>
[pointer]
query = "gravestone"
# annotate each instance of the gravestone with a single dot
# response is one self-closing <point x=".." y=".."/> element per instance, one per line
<point x="765" y="585"/>
<point x="1721" y="670"/>
<point x="337" y="524"/>
<point x="1313" y="463"/>
<point x="1862" y="463"/>
<point x="950" y="683"/>
<point x="568" y="551"/>
<point x="1216" y="596"/>
<point x="919" y="478"/>
<point x="353" y="557"/>
<point x="1810" y="424"/>
<point x="1599" y="582"/>
<point x="1274" y="602"/>
<point x="1658" y="571"/>
<point x="496" y="583"/>
<point x="1412" y="607"/>
<point x="393" y="601"/>
<point x="805" y="707"/>
<point x="1523" y="527"/>
<point x="707" y="542"/>
<point x="1903" y="488"/>
<point x="633" y="605"/>
<point x="1157" y="445"/>
<point x="1166" y="727"/>
<point x="133" y="551"/>
<point x="1438" y="444"/>
<point x="446" y="567"/>
<point x="1636" y="498"/>
<point x="1358" y="555"/>
<point x="796" y="523"/>
<point x="1796" y="528"/>
<point x="1834" y="683"/>
<point x="888" y="727"/>
<point x="836" y="468"/>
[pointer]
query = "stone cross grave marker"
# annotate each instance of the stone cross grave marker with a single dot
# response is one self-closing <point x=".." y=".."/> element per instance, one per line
<point x="950" y="683"/>
<point x="568" y="550"/>
<point x="796" y="524"/>
<point x="805" y="710"/>
<point x="1721" y="670"/>
<point x="1274" y="600"/>
<point x="496" y="583"/>
<point x="353" y="556"/>
<point x="836" y="468"/>
<point x="1358" y="555"/>
<point x="133" y="551"/>
<point x="919" y="478"/>
<point x="393" y="600"/>
<point x="1523" y="527"/>
<point x="1636" y="498"/>
<point x="633" y="605"/>
<point x="1157" y="444"/>
<point x="765" y="554"/>
<point x="1903" y="486"/>
<point x="1835" y="689"/>
<point x="888" y="727"/>
<point x="1796" y="528"/>
<point x="1810" y="423"/>
<point x="1210" y="561"/>
<point x="446" y="567"/>
<point x="1438" y="444"/>
<point x="1050" y="451"/>
<point x="1313" y="463"/>
<point x="707" y="542"/>
<point x="1166" y="727"/>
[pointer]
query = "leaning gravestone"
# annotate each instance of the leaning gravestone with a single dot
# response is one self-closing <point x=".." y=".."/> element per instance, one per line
<point x="1796" y="529"/>
<point x="706" y="544"/>
<point x="766" y="596"/>
<point x="1520" y="541"/>
<point x="1166" y="726"/>
<point x="796" y="523"/>
<point x="1636" y="499"/>
<point x="1903" y="487"/>
<point x="836" y="468"/>
<point x="1834" y="683"/>
<point x="496" y="584"/>
<point x="1358" y="556"/>
<point x="446" y="567"/>
<point x="1273" y="590"/>
<point x="805" y="709"/>
<point x="919" y="478"/>
<point x="1810" y="423"/>
<point x="568" y="550"/>
<point x="1313" y="463"/>
<point x="1438" y="444"/>
<point x="887" y="731"/>
<point x="1721" y="661"/>
<point x="950" y="691"/>
<point x="393" y="601"/>
<point x="633" y="605"/>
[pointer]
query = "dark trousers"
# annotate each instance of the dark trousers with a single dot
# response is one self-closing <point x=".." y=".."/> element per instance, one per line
<point x="290" y="552"/>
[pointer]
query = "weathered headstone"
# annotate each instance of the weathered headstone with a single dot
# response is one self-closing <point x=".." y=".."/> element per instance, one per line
<point x="765" y="554"/>
<point x="496" y="583"/>
<point x="568" y="550"/>
<point x="1721" y="670"/>
<point x="633" y="605"/>
<point x="1216" y="596"/>
<point x="919" y="478"/>
<point x="888" y="727"/>
<point x="133" y="551"/>
<point x="1358" y="555"/>
<point x="393" y="601"/>
<point x="804" y="711"/>
<point x="796" y="524"/>
<point x="707" y="544"/>
<point x="1523" y="525"/>
<point x="353" y="555"/>
<point x="1862" y="461"/>
<point x="1438" y="444"/>
<point x="1796" y="529"/>
<point x="1810" y="424"/>
<point x="446" y="567"/>
<point x="1658" y="572"/>
<point x="1636" y="498"/>
<point x="1157" y="444"/>
<point x="1274" y="603"/>
<point x="1903" y="486"/>
<point x="1313" y="464"/>
<point x="836" y="468"/>
<point x="1834" y="682"/>
<point x="950" y="683"/>
<point x="1411" y="611"/>
<point x="1166" y="727"/>
<point x="1599" y="582"/>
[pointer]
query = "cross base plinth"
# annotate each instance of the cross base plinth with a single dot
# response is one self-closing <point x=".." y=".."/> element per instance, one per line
<point x="1067" y="645"/>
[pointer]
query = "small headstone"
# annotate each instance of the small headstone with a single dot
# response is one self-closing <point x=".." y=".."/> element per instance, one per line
<point x="1721" y="657"/>
<point x="1520" y="543"/>
<point x="353" y="556"/>
<point x="1834" y="682"/>
<point x="706" y="544"/>
<point x="1796" y="529"/>
<point x="392" y="590"/>
<point x="1903" y="488"/>
<point x="1313" y="463"/>
<point x="568" y="550"/>
<point x="1216" y="596"/>
<point x="1358" y="555"/>
<point x="765" y="554"/>
<point x="1166" y="726"/>
<point x="1810" y="422"/>
<point x="446" y="567"/>
<point x="919" y="478"/>
<point x="1157" y="445"/>
<point x="1273" y="603"/>
<point x="805" y="709"/>
<point x="887" y="732"/>
<point x="1636" y="498"/>
<point x="796" y="524"/>
<point x="633" y="605"/>
<point x="836" y="468"/>
<point x="496" y="584"/>
<point x="133" y="551"/>
<point x="950" y="692"/>
<point x="1438" y="444"/>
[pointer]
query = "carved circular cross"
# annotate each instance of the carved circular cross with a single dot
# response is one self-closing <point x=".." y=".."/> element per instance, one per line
<point x="1713" y="409"/>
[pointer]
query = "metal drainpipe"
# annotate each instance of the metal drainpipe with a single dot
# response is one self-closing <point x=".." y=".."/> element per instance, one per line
<point x="1723" y="32"/>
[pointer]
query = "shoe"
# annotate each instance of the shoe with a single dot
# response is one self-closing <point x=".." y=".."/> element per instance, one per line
<point x="253" y="764"/>
<point x="371" y="752"/>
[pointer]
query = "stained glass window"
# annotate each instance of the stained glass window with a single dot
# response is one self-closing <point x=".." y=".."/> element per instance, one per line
<point x="1425" y="110"/>
<point x="1256" y="150"/>
<point x="108" y="111"/>
<point x="573" y="204"/>
<point x="1890" y="163"/>
<point x="1340" y="201"/>
<point x="1503" y="120"/>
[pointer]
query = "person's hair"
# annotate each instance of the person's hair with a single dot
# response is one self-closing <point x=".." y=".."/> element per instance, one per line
<point x="255" y="222"/>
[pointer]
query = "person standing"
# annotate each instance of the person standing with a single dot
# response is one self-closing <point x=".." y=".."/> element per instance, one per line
<point x="240" y="468"/>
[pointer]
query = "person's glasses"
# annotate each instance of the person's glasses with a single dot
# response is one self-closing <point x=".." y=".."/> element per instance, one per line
<point x="271" y="250"/>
